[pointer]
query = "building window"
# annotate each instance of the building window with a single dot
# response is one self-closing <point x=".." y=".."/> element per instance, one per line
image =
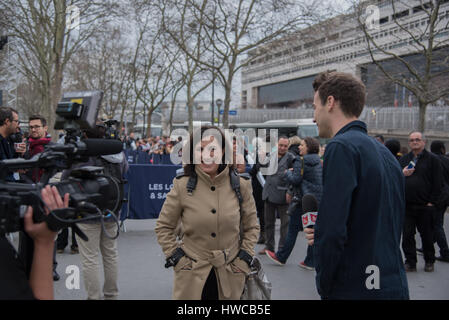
<point x="421" y="7"/>
<point x="401" y="14"/>
<point x="383" y="20"/>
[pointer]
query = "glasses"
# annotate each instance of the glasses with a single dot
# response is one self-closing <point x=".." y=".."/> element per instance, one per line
<point x="35" y="127"/>
<point x="414" y="140"/>
<point x="14" y="120"/>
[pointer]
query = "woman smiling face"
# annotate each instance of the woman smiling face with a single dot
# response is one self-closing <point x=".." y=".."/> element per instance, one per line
<point x="210" y="153"/>
<point x="303" y="148"/>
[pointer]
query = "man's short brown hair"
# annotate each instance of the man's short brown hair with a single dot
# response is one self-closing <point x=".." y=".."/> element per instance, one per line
<point x="38" y="117"/>
<point x="347" y="90"/>
<point x="321" y="78"/>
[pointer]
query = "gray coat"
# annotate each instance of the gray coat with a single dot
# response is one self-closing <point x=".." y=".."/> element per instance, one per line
<point x="275" y="185"/>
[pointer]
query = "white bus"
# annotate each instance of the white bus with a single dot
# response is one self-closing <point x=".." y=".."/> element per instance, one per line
<point x="295" y="127"/>
<point x="139" y="131"/>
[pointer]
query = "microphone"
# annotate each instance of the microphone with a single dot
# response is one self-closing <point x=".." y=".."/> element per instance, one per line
<point x="310" y="209"/>
<point x="102" y="147"/>
<point x="90" y="147"/>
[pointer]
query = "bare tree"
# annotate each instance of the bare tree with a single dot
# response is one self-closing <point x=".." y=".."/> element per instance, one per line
<point x="230" y="29"/>
<point x="153" y="65"/>
<point x="104" y="63"/>
<point x="178" y="19"/>
<point x="49" y="32"/>
<point x="424" y="70"/>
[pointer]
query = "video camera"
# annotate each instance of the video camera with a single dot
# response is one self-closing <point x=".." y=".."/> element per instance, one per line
<point x="92" y="194"/>
<point x="111" y="129"/>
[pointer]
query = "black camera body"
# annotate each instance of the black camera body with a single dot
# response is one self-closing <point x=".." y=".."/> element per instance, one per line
<point x="111" y="129"/>
<point x="92" y="194"/>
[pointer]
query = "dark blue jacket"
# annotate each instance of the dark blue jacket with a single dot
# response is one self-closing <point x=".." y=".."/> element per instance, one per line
<point x="360" y="219"/>
<point x="311" y="182"/>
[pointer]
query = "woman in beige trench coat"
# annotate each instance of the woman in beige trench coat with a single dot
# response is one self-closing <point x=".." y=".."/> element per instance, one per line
<point x="211" y="264"/>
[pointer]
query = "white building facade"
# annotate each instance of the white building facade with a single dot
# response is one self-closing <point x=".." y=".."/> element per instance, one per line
<point x="283" y="75"/>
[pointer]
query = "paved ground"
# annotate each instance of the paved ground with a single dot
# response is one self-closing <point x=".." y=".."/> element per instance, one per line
<point x="142" y="274"/>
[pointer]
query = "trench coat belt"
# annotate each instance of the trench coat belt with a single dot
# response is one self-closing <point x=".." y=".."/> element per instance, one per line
<point x="217" y="258"/>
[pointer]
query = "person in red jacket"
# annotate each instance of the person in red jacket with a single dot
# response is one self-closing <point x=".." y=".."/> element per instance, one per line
<point x="37" y="141"/>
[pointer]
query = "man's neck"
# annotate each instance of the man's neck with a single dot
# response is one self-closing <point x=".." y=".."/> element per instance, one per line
<point x="417" y="152"/>
<point x="3" y="132"/>
<point x="37" y="138"/>
<point x="340" y="123"/>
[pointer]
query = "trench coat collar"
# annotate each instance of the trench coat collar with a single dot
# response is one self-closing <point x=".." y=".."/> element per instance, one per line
<point x="219" y="179"/>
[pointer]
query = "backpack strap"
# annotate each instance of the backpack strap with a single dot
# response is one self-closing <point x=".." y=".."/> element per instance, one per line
<point x="234" y="177"/>
<point x="235" y="185"/>
<point x="180" y="173"/>
<point x="191" y="184"/>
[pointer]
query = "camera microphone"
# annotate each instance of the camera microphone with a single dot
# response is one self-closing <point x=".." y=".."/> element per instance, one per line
<point x="102" y="147"/>
<point x="90" y="147"/>
<point x="310" y="208"/>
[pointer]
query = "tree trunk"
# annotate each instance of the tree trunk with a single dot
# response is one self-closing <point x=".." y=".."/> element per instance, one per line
<point x="170" y="120"/>
<point x="422" y="116"/>
<point x="150" y="113"/>
<point x="190" y="110"/>
<point x="55" y="97"/>
<point x="227" y="102"/>
<point x="122" y="117"/>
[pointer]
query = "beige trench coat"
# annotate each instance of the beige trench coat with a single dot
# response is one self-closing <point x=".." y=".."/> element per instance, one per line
<point x="211" y="224"/>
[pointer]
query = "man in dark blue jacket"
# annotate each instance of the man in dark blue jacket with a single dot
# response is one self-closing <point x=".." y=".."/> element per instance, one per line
<point x="360" y="217"/>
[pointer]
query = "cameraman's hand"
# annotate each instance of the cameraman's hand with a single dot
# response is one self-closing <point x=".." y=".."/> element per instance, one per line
<point x="39" y="232"/>
<point x="53" y="200"/>
<point x="41" y="279"/>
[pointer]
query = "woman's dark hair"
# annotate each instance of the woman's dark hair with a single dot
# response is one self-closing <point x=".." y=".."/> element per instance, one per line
<point x="393" y="145"/>
<point x="189" y="168"/>
<point x="438" y="147"/>
<point x="313" y="145"/>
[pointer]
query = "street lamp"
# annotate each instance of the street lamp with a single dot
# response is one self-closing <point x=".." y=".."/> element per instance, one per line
<point x="219" y="103"/>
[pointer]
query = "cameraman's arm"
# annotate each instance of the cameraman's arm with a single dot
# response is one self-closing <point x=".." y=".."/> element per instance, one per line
<point x="41" y="278"/>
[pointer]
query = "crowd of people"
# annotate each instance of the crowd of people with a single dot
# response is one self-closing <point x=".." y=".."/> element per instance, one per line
<point x="152" y="145"/>
<point x="368" y="198"/>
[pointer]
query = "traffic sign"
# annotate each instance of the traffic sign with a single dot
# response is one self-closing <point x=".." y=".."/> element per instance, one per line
<point x="231" y="112"/>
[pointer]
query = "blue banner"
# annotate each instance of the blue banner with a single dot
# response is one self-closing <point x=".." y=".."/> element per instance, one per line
<point x="141" y="157"/>
<point x="147" y="189"/>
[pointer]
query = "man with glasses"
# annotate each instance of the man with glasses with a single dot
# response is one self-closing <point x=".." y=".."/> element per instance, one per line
<point x="423" y="182"/>
<point x="38" y="139"/>
<point x="9" y="125"/>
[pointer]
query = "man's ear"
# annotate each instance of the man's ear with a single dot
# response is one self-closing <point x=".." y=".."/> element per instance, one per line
<point x="330" y="103"/>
